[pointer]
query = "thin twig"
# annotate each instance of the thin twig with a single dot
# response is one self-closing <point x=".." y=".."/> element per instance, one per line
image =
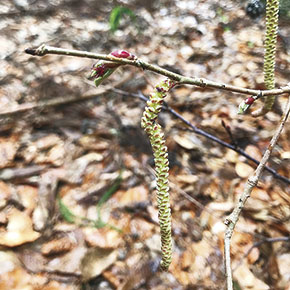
<point x="201" y="82"/>
<point x="14" y="173"/>
<point x="233" y="218"/>
<point x="205" y="134"/>
<point x="229" y="132"/>
<point x="258" y="244"/>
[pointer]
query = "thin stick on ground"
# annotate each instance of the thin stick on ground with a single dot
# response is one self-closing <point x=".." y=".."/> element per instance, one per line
<point x="201" y="82"/>
<point x="233" y="218"/>
<point x="258" y="244"/>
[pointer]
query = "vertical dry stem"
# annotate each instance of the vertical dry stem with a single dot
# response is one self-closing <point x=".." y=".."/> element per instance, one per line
<point x="233" y="218"/>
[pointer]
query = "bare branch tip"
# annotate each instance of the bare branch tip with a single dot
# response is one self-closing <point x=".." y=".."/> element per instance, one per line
<point x="40" y="51"/>
<point x="30" y="51"/>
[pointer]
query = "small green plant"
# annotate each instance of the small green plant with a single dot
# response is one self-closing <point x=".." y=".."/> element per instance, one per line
<point x="70" y="217"/>
<point x="66" y="213"/>
<point x="116" y="15"/>
<point x="106" y="196"/>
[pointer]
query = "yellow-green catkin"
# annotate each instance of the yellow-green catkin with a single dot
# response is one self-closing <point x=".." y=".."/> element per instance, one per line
<point x="272" y="15"/>
<point x="150" y="124"/>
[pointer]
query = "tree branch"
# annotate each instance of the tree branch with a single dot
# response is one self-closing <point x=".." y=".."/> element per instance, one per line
<point x="201" y="82"/>
<point x="233" y="218"/>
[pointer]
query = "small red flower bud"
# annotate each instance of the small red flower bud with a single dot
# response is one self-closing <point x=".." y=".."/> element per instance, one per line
<point x="122" y="54"/>
<point x="249" y="101"/>
<point x="100" y="70"/>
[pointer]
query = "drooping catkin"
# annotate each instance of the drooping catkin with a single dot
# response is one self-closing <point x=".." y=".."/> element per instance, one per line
<point x="150" y="124"/>
<point x="272" y="15"/>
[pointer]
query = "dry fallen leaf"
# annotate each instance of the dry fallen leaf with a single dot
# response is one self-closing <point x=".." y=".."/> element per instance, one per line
<point x="240" y="82"/>
<point x="190" y="179"/>
<point x="241" y="242"/>
<point x="8" y="149"/>
<point x="261" y="194"/>
<point x="58" y="246"/>
<point x="254" y="152"/>
<point x="187" y="259"/>
<point x="5" y="192"/>
<point x="17" y="279"/>
<point x="19" y="230"/>
<point x="235" y="69"/>
<point x="243" y="170"/>
<point x="102" y="238"/>
<point x="132" y="195"/>
<point x="28" y="197"/>
<point x="253" y="255"/>
<point x="47" y="141"/>
<point x="56" y="155"/>
<point x="140" y="271"/>
<point x="8" y="262"/>
<point x="63" y="264"/>
<point x="187" y="142"/>
<point x="90" y="142"/>
<point x="285" y="155"/>
<point x="77" y="168"/>
<point x="247" y="280"/>
<point x="283" y="262"/>
<point x="96" y="261"/>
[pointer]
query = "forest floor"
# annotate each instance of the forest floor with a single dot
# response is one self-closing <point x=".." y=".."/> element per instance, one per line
<point x="77" y="189"/>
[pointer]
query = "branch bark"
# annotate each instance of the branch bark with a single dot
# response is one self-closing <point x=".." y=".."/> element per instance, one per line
<point x="233" y="218"/>
<point x="200" y="82"/>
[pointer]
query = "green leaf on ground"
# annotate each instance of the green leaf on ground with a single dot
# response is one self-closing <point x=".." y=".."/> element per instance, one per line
<point x="116" y="15"/>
